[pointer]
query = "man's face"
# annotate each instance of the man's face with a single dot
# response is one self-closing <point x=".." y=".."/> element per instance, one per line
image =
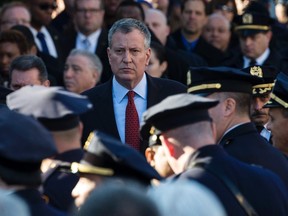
<point x="79" y="74"/>
<point x="41" y="11"/>
<point x="255" y="45"/>
<point x="278" y="127"/>
<point x="259" y="115"/>
<point x="82" y="190"/>
<point x="128" y="57"/>
<point x="88" y="16"/>
<point x="8" y="52"/>
<point x="193" y="17"/>
<point x="129" y="12"/>
<point x="20" y="78"/>
<point x="15" y="16"/>
<point x="156" y="21"/>
<point x="217" y="32"/>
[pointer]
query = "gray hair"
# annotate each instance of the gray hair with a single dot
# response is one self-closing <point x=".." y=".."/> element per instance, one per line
<point x="94" y="60"/>
<point x="127" y="25"/>
<point x="27" y="62"/>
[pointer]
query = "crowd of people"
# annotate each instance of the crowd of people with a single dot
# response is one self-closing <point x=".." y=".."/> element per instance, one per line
<point x="144" y="108"/>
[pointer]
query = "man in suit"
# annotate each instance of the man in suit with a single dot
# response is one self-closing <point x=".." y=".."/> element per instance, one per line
<point x="129" y="53"/>
<point x="235" y="131"/>
<point x="87" y="32"/>
<point x="278" y="111"/>
<point x="188" y="137"/>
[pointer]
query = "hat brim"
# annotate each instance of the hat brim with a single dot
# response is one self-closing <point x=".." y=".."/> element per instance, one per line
<point x="272" y="104"/>
<point x="249" y="32"/>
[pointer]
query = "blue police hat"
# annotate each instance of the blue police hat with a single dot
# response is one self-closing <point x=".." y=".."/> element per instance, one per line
<point x="107" y="156"/>
<point x="56" y="108"/>
<point x="268" y="75"/>
<point x="3" y="93"/>
<point x="250" y="23"/>
<point x="207" y="80"/>
<point x="279" y="94"/>
<point x="176" y="111"/>
<point x="24" y="144"/>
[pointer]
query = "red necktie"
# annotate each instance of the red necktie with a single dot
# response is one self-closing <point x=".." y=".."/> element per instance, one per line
<point x="132" y="123"/>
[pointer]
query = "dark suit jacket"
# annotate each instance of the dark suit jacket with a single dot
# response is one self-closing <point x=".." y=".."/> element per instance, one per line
<point x="257" y="185"/>
<point x="102" y="117"/>
<point x="247" y="145"/>
<point x="69" y="43"/>
<point x="210" y="54"/>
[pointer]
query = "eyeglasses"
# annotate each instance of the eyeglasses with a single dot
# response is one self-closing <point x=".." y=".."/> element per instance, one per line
<point x="225" y="8"/>
<point x="47" y="6"/>
<point x="91" y="11"/>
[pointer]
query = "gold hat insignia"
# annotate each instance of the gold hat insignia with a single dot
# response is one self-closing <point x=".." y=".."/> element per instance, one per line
<point x="247" y="19"/>
<point x="256" y="71"/>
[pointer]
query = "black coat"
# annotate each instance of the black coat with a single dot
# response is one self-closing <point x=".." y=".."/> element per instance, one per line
<point x="247" y="145"/>
<point x="261" y="188"/>
<point x="102" y="116"/>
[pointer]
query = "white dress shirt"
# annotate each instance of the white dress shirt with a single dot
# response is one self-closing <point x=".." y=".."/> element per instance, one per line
<point x="92" y="38"/>
<point x="259" y="61"/>
<point x="120" y="100"/>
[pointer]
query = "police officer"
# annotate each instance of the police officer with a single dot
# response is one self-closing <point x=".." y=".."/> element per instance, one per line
<point x="188" y="137"/>
<point x="24" y="144"/>
<point x="58" y="110"/>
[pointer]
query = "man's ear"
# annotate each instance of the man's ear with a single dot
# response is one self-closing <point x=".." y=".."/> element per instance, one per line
<point x="230" y="106"/>
<point x="149" y="154"/>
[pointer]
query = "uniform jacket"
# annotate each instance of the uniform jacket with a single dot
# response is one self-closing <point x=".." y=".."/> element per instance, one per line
<point x="258" y="186"/>
<point x="102" y="117"/>
<point x="36" y="203"/>
<point x="247" y="145"/>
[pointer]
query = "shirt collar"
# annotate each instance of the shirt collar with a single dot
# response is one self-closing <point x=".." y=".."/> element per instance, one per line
<point x="92" y="37"/>
<point x="260" y="60"/>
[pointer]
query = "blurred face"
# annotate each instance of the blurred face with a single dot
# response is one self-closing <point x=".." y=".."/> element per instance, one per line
<point x="217" y="32"/>
<point x="111" y="6"/>
<point x="129" y="12"/>
<point x="259" y="115"/>
<point x="41" y="11"/>
<point x="277" y="127"/>
<point x="156" y="21"/>
<point x="280" y="12"/>
<point x="255" y="45"/>
<point x="128" y="57"/>
<point x="84" y="187"/>
<point x="89" y="16"/>
<point x="8" y="52"/>
<point x="29" y="77"/>
<point x="193" y="17"/>
<point x="155" y="68"/>
<point x="79" y="74"/>
<point x="227" y="11"/>
<point x="15" y="16"/>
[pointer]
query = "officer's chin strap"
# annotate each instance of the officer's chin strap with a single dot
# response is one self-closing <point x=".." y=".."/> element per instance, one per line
<point x="218" y="172"/>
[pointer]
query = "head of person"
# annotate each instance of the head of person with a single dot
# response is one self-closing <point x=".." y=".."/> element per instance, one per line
<point x="24" y="144"/>
<point x="155" y="154"/>
<point x="278" y="112"/>
<point x="41" y="12"/>
<point x="185" y="125"/>
<point x="158" y="61"/>
<point x="14" y="13"/>
<point x="130" y="9"/>
<point x="12" y="45"/>
<point x="281" y="9"/>
<point x="194" y="199"/>
<point x="56" y="109"/>
<point x="88" y="16"/>
<point x="261" y="92"/>
<point x="231" y="86"/>
<point x="217" y="31"/>
<point x="108" y="159"/>
<point x="129" y="51"/>
<point x="194" y="16"/>
<point x="27" y="70"/>
<point x="82" y="71"/>
<point x="254" y="31"/>
<point x="120" y="200"/>
<point x="157" y="22"/>
<point x="225" y="7"/>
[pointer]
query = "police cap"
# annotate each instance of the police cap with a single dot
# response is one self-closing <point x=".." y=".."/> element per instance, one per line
<point x="24" y="144"/>
<point x="268" y="75"/>
<point x="56" y="108"/>
<point x="178" y="110"/>
<point x="279" y="95"/>
<point x="207" y="80"/>
<point x="107" y="156"/>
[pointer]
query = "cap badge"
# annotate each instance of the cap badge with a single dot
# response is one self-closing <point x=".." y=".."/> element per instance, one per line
<point x="247" y="19"/>
<point x="256" y="71"/>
